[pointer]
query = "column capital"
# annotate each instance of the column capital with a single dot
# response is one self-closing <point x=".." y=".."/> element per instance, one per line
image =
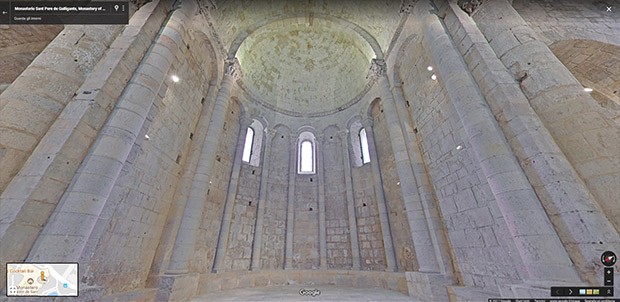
<point x="232" y="68"/>
<point x="406" y="6"/>
<point x="469" y="6"/>
<point x="343" y="133"/>
<point x="378" y="68"/>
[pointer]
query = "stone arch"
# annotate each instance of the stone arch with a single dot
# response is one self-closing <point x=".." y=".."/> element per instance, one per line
<point x="237" y="103"/>
<point x="211" y="55"/>
<point x="553" y="22"/>
<point x="373" y="104"/>
<point x="303" y="137"/>
<point x="256" y="144"/>
<point x="396" y="76"/>
<point x="372" y="42"/>
<point x="595" y="65"/>
<point x="281" y="130"/>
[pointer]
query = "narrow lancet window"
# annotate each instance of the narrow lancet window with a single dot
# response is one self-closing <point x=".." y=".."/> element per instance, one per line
<point x="247" y="149"/>
<point x="364" y="146"/>
<point x="306" y="157"/>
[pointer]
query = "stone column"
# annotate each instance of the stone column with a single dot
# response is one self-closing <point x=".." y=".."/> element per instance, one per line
<point x="222" y="242"/>
<point x="540" y="248"/>
<point x="42" y="180"/>
<point x="262" y="197"/>
<point x="589" y="138"/>
<point x="541" y="158"/>
<point x="180" y="196"/>
<point x="290" y="206"/>
<point x="320" y="168"/>
<point x="425" y="189"/>
<point x="388" y="245"/>
<point x="416" y="215"/>
<point x="186" y="237"/>
<point x="65" y="236"/>
<point x="355" y="245"/>
<point x="32" y="102"/>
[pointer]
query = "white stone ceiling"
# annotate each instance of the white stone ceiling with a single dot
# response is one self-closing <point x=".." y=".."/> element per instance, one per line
<point x="306" y="56"/>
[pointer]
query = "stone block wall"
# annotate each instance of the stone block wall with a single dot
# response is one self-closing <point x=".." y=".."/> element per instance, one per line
<point x="130" y="227"/>
<point x="272" y="250"/>
<point x="216" y="194"/>
<point x="34" y="100"/>
<point x="399" y="224"/>
<point x="483" y="253"/>
<point x="571" y="19"/>
<point x="372" y="253"/>
<point x="336" y="213"/>
<point x="306" y="225"/>
<point x="241" y="235"/>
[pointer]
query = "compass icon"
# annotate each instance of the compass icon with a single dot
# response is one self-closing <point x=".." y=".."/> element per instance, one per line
<point x="608" y="258"/>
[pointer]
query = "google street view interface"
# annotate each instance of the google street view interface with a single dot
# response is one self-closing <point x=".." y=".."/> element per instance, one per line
<point x="61" y="279"/>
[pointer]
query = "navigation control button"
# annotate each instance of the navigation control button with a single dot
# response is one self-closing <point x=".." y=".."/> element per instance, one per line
<point x="608" y="258"/>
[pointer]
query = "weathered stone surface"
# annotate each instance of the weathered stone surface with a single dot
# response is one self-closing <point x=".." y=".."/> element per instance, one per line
<point x="125" y="155"/>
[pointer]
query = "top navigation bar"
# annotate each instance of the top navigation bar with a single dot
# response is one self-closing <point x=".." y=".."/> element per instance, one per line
<point x="64" y="12"/>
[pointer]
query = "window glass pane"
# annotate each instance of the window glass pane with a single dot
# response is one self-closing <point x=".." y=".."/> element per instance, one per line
<point x="247" y="149"/>
<point x="364" y="146"/>
<point x="306" y="157"/>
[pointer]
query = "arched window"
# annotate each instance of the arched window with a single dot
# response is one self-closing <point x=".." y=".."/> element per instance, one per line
<point x="306" y="161"/>
<point x="253" y="144"/>
<point x="364" y="146"/>
<point x="247" y="149"/>
<point x="306" y="157"/>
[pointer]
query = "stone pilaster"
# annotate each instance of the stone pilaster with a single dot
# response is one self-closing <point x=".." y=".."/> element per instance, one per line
<point x="587" y="136"/>
<point x="186" y="237"/>
<point x="290" y="206"/>
<point x="540" y="156"/>
<point x="69" y="228"/>
<point x="386" y="231"/>
<point x="262" y="198"/>
<point x="415" y="211"/>
<point x="425" y="188"/>
<point x="233" y="184"/>
<point x="355" y="246"/>
<point x="320" y="168"/>
<point x="539" y="246"/>
<point x="181" y="195"/>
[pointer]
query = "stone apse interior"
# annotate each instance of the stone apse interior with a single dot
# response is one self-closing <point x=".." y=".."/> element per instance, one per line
<point x="447" y="150"/>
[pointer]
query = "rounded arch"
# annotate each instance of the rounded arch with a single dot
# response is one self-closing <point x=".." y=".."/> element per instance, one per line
<point x="281" y="130"/>
<point x="307" y="128"/>
<point x="331" y="130"/>
<point x="372" y="42"/>
<point x="306" y="152"/>
<point x="337" y="80"/>
<point x="356" y="149"/>
<point x="402" y="50"/>
<point x="595" y="65"/>
<point x="238" y="104"/>
<point x="211" y="54"/>
<point x="253" y="143"/>
<point x="373" y="104"/>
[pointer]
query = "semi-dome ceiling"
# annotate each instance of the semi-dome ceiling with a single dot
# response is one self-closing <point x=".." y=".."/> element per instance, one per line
<point x="307" y="57"/>
<point x="305" y="67"/>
